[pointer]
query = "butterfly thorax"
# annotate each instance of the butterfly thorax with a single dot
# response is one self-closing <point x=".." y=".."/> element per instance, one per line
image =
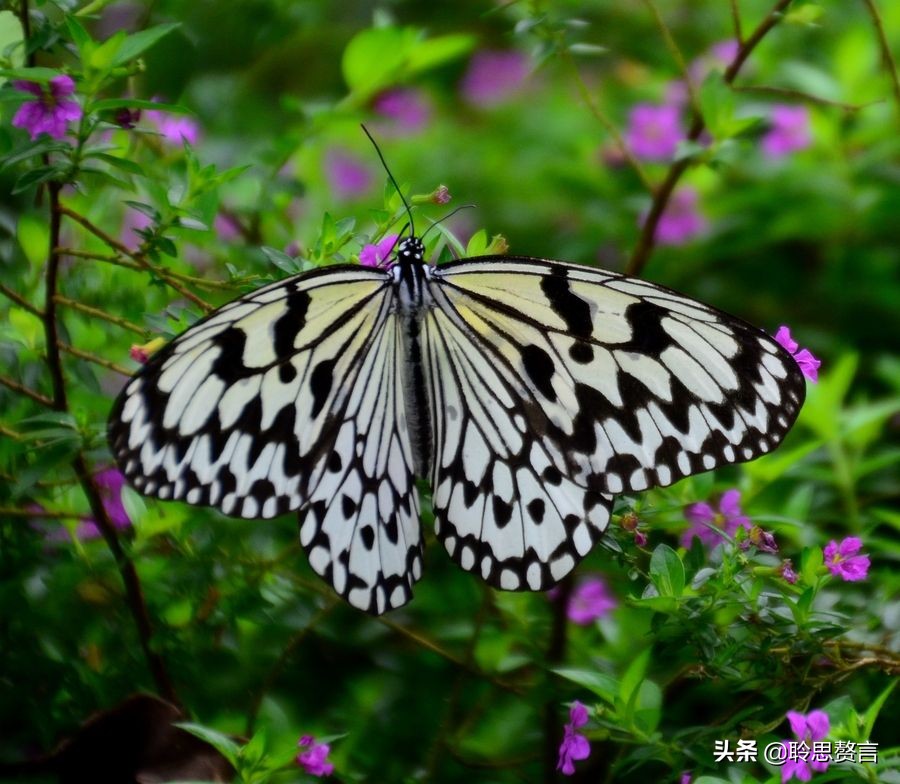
<point x="410" y="280"/>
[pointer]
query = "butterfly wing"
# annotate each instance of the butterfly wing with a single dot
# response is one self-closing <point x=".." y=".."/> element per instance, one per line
<point x="638" y="385"/>
<point x="288" y="399"/>
<point x="503" y="508"/>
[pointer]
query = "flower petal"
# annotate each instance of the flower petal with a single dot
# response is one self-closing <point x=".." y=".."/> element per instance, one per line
<point x="818" y="724"/>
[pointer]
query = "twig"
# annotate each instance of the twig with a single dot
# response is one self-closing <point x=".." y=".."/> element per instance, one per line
<point x="87" y="357"/>
<point x="555" y="654"/>
<point x="647" y="240"/>
<point x="102" y="314"/>
<point x="799" y="95"/>
<point x="133" y="590"/>
<point x="16" y="512"/>
<point x="610" y="127"/>
<point x="886" y="54"/>
<point x="119" y="261"/>
<point x="20" y="301"/>
<point x="736" y="21"/>
<point x="281" y="662"/>
<point x="672" y="46"/>
<point x="15" y="386"/>
<point x="15" y="435"/>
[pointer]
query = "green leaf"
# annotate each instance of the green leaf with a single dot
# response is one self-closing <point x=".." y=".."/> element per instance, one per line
<point x="633" y="676"/>
<point x="811" y="562"/>
<point x="137" y="103"/>
<point x="433" y="52"/>
<point x="80" y="36"/>
<point x="140" y="42"/>
<point x="604" y="686"/>
<point x="35" y="177"/>
<point x="124" y="164"/>
<point x="374" y="58"/>
<point x="103" y="56"/>
<point x="38" y="74"/>
<point x="134" y="505"/>
<point x="667" y="571"/>
<point x="717" y="105"/>
<point x="220" y="742"/>
<point x="282" y="260"/>
<point x="874" y="709"/>
<point x="33" y="234"/>
<point x="12" y="40"/>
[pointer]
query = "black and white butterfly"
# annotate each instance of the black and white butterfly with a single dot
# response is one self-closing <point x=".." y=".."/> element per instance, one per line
<point x="527" y="392"/>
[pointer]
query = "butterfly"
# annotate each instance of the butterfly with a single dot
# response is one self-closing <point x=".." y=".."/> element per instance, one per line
<point x="527" y="392"/>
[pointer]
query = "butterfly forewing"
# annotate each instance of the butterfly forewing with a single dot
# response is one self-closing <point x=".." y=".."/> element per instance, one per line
<point x="639" y="386"/>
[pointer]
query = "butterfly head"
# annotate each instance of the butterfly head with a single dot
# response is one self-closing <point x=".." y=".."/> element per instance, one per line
<point x="411" y="251"/>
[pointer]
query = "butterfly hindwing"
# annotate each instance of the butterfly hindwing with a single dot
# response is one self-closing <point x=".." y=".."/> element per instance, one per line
<point x="639" y="385"/>
<point x="503" y="508"/>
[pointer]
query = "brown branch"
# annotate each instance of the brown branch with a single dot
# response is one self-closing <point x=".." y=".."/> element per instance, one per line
<point x="20" y="301"/>
<point x="88" y="357"/>
<point x="8" y="511"/>
<point x="736" y="21"/>
<point x="102" y="314"/>
<point x="133" y="591"/>
<point x="15" y="386"/>
<point x="119" y="261"/>
<point x="799" y="95"/>
<point x="15" y="435"/>
<point x="886" y="55"/>
<point x="647" y="240"/>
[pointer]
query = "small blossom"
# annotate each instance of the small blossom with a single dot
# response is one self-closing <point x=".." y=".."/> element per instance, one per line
<point x="808" y="363"/>
<point x="574" y="746"/>
<point x="640" y="539"/>
<point x="807" y="729"/>
<point x="375" y="255"/>
<point x="590" y="601"/>
<point x="127" y="118"/>
<point x="788" y="573"/>
<point x="226" y="227"/>
<point x="143" y="352"/>
<point x="348" y="177"/>
<point x="493" y="77"/>
<point x="654" y="131"/>
<point x="682" y="220"/>
<point x="843" y="560"/>
<point x="764" y="541"/>
<point x="788" y="131"/>
<point x="314" y="758"/>
<point x="708" y="524"/>
<point x="685" y="778"/>
<point x="52" y="112"/>
<point x="175" y="129"/>
<point x="441" y="195"/>
<point x="408" y="109"/>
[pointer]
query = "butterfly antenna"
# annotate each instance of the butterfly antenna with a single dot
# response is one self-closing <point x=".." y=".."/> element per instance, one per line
<point x="446" y="217"/>
<point x="391" y="177"/>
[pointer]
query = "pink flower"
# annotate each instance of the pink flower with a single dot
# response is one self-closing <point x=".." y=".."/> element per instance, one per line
<point x="842" y="559"/>
<point x="707" y="524"/>
<point x="589" y="601"/>
<point x="574" y="746"/>
<point x="175" y="129"/>
<point x="408" y="109"/>
<point x="51" y="113"/>
<point x="762" y="540"/>
<point x="226" y="227"/>
<point x="809" y="728"/>
<point x="654" y="131"/>
<point x="682" y="220"/>
<point x="809" y="364"/>
<point x="493" y="77"/>
<point x="788" y="573"/>
<point x="127" y="118"/>
<point x="314" y="760"/>
<point x="440" y="195"/>
<point x="640" y="539"/>
<point x="375" y="255"/>
<point x="348" y="177"/>
<point x="788" y="131"/>
<point x="685" y="778"/>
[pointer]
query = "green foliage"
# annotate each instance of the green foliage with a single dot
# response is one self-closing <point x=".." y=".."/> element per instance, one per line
<point x="231" y="177"/>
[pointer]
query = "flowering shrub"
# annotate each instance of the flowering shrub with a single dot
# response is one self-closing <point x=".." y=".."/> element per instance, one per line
<point x="159" y="160"/>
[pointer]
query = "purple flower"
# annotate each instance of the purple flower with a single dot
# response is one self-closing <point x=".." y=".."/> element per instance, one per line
<point x="348" y="177"/>
<point x="226" y="227"/>
<point x="764" y="541"/>
<point x="640" y="539"/>
<point x="375" y="255"/>
<point x="685" y="778"/>
<point x="788" y="573"/>
<point x="574" y="746"/>
<point x="809" y="364"/>
<point x="127" y="118"/>
<point x="440" y="195"/>
<point x="708" y="524"/>
<point x="314" y="758"/>
<point x="493" y="77"/>
<point x="681" y="220"/>
<point x="52" y="112"/>
<point x="175" y="129"/>
<point x="809" y="728"/>
<point x="788" y="131"/>
<point x="654" y="131"/>
<point x="843" y="561"/>
<point x="590" y="601"/>
<point x="133" y="223"/>
<point x="408" y="109"/>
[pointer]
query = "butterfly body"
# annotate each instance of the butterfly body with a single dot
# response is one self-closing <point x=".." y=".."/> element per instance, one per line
<point x="526" y="392"/>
